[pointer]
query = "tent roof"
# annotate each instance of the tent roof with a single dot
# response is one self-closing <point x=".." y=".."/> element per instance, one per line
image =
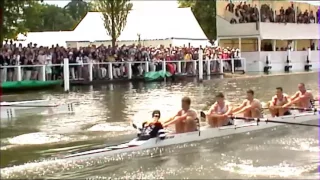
<point x="91" y="28"/>
<point x="150" y="24"/>
<point x="46" y="38"/>
<point x="314" y="3"/>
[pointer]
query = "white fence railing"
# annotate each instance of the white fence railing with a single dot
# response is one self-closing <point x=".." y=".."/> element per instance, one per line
<point x="113" y="70"/>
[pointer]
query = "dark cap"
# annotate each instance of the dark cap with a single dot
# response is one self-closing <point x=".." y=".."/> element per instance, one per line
<point x="156" y="112"/>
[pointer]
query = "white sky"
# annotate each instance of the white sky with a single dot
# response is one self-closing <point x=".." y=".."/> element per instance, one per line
<point x="137" y="4"/>
<point x="315" y="3"/>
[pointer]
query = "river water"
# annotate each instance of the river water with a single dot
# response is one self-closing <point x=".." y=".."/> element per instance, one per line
<point x="102" y="118"/>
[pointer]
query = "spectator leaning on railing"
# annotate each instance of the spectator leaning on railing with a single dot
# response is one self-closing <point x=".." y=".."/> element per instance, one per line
<point x="52" y="57"/>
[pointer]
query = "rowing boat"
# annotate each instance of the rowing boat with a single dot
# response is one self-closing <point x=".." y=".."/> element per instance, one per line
<point x="27" y="103"/>
<point x="205" y="133"/>
<point x="11" y="110"/>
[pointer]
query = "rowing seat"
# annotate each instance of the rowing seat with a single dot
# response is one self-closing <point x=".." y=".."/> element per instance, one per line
<point x="162" y="134"/>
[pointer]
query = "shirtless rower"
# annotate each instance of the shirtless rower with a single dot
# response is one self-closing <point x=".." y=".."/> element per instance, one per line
<point x="218" y="113"/>
<point x="302" y="98"/>
<point x="278" y="100"/>
<point x="251" y="107"/>
<point x="186" y="119"/>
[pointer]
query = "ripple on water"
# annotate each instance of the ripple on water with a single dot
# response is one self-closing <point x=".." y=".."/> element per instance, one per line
<point x="232" y="157"/>
<point x="109" y="128"/>
<point x="197" y="160"/>
<point x="246" y="167"/>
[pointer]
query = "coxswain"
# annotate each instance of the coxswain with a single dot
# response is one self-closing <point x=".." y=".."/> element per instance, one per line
<point x="150" y="129"/>
<point x="302" y="98"/>
<point x="186" y="120"/>
<point x="251" y="107"/>
<point x="219" y="112"/>
<point x="276" y="103"/>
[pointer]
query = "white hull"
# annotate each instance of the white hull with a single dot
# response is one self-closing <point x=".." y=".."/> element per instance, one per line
<point x="32" y="107"/>
<point x="205" y="133"/>
<point x="27" y="103"/>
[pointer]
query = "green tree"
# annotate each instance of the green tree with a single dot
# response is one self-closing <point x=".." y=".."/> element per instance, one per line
<point x="1" y="22"/>
<point x="77" y="9"/>
<point x="22" y="16"/>
<point x="205" y="13"/>
<point x="12" y="18"/>
<point x="55" y="19"/>
<point x="115" y="13"/>
<point x="45" y="17"/>
<point x="33" y="17"/>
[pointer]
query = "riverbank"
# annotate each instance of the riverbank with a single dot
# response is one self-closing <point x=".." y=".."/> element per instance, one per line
<point x="181" y="77"/>
<point x="257" y="75"/>
<point x="177" y="77"/>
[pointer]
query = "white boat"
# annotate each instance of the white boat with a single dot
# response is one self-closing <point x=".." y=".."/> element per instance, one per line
<point x="28" y="104"/>
<point x="11" y="110"/>
<point x="204" y="133"/>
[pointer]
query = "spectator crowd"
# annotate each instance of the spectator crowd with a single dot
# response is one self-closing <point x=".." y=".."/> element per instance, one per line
<point x="33" y="57"/>
<point x="12" y="54"/>
<point x="245" y="13"/>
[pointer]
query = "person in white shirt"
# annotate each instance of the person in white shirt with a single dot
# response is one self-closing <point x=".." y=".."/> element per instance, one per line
<point x="48" y="63"/>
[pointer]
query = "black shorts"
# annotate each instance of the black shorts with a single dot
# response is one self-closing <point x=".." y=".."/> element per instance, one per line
<point x="287" y="113"/>
<point x="230" y="122"/>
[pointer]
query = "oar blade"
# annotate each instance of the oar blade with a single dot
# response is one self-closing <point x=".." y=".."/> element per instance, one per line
<point x="134" y="126"/>
<point x="202" y="114"/>
<point x="275" y="121"/>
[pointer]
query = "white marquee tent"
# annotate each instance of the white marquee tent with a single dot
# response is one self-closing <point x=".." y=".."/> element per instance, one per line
<point x="45" y="38"/>
<point x="175" y="24"/>
<point x="91" y="28"/>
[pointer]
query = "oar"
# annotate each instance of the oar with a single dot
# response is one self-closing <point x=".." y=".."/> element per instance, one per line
<point x="304" y="109"/>
<point x="273" y="121"/>
<point x="25" y="105"/>
<point x="134" y="126"/>
<point x="295" y="108"/>
<point x="202" y="114"/>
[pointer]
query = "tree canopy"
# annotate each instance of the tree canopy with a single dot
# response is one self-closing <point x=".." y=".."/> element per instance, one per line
<point x="205" y="13"/>
<point x="77" y="9"/>
<point x="23" y="16"/>
<point x="115" y="13"/>
<point x="44" y="17"/>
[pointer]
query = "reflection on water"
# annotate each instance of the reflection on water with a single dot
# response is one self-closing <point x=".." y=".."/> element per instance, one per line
<point x="261" y="154"/>
<point x="103" y="116"/>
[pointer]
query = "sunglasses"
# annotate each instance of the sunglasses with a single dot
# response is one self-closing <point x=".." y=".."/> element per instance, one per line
<point x="156" y="115"/>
